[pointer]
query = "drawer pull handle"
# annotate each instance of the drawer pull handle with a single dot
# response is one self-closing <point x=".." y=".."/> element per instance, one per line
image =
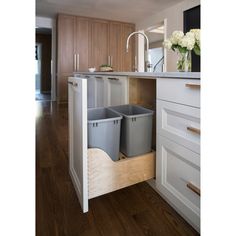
<point x="194" y="86"/>
<point x="113" y="78"/>
<point x="194" y="188"/>
<point x="98" y="77"/>
<point x="194" y="130"/>
<point x="70" y="83"/>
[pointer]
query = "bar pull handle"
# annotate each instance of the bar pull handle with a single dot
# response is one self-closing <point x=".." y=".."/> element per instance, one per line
<point x="194" y="130"/>
<point x="193" y="86"/>
<point x="111" y="61"/>
<point x="74" y="62"/>
<point x="111" y="78"/>
<point x="194" y="188"/>
<point x="98" y="77"/>
<point x="77" y="62"/>
<point x="70" y="83"/>
<point x="108" y="60"/>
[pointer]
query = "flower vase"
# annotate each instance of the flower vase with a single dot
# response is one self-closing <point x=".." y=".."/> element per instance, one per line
<point x="184" y="62"/>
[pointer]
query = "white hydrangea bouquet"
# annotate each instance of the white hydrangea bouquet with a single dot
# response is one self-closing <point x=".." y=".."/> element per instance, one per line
<point x="183" y="44"/>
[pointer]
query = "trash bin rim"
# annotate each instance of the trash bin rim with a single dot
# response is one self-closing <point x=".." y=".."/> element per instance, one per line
<point x="149" y="112"/>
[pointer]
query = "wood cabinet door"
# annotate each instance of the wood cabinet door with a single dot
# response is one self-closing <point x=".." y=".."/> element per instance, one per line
<point x="62" y="87"/>
<point x="82" y="44"/>
<point x="66" y="44"/>
<point x="99" y="43"/>
<point x="128" y="57"/>
<point x="115" y="45"/>
<point x="78" y="138"/>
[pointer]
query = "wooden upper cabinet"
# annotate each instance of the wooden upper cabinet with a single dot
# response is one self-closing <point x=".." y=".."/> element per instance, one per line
<point x="66" y="44"/>
<point x="87" y="42"/>
<point x="128" y="57"/>
<point x="82" y="44"/>
<point x="115" y="45"/>
<point x="99" y="43"/>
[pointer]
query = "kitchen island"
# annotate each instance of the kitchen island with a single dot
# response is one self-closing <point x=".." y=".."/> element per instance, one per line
<point x="173" y="166"/>
<point x="189" y="75"/>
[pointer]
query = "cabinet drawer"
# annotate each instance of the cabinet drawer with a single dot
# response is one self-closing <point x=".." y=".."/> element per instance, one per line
<point x="177" y="167"/>
<point x="183" y="91"/>
<point x="179" y="123"/>
<point x="106" y="175"/>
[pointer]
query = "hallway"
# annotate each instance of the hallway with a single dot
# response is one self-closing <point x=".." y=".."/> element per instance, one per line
<point x="136" y="210"/>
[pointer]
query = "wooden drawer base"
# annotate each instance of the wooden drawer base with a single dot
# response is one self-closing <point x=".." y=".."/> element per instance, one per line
<point x="105" y="175"/>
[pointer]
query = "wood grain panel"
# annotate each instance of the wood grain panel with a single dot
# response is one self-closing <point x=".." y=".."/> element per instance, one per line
<point x="106" y="175"/>
<point x="82" y="43"/>
<point x="99" y="43"/>
<point x="128" y="57"/>
<point x="62" y="88"/>
<point x="115" y="45"/>
<point x="143" y="92"/>
<point x="66" y="43"/>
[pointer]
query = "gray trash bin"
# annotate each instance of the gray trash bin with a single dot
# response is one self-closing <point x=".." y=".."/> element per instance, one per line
<point x="136" y="129"/>
<point x="104" y="131"/>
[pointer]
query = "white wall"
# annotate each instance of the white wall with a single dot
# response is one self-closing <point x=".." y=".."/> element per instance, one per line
<point x="44" y="22"/>
<point x="174" y="17"/>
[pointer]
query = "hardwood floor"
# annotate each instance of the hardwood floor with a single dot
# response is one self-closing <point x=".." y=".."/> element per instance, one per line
<point x="137" y="210"/>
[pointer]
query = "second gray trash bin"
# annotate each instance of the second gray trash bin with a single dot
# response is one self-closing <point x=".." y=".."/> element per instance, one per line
<point x="104" y="131"/>
<point x="136" y="129"/>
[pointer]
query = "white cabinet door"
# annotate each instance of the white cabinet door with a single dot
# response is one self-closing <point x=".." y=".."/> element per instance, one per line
<point x="78" y="138"/>
<point x="117" y="90"/>
<point x="177" y="176"/>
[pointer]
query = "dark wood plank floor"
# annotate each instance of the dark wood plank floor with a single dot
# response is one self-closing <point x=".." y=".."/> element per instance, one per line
<point x="137" y="210"/>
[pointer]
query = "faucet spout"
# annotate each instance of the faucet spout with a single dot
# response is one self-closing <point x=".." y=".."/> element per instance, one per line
<point x="146" y="54"/>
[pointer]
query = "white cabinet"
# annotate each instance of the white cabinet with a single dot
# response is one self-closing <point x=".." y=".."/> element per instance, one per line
<point x="77" y="90"/>
<point x="182" y="91"/>
<point x="180" y="124"/>
<point x="177" y="176"/>
<point x="116" y="90"/>
<point x="178" y="146"/>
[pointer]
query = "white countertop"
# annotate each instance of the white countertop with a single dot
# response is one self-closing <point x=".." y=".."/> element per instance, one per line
<point x="189" y="75"/>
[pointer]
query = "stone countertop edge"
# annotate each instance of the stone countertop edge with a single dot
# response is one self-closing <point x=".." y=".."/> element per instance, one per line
<point x="189" y="75"/>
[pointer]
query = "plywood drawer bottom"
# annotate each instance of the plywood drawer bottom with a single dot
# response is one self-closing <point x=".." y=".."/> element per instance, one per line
<point x="105" y="175"/>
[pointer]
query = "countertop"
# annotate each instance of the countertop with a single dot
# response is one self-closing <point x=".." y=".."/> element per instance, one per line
<point x="189" y="75"/>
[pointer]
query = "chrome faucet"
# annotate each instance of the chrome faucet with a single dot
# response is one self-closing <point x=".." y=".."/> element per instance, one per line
<point x="148" y="65"/>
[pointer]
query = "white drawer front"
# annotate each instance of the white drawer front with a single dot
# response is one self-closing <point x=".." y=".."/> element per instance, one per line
<point x="183" y="91"/>
<point x="179" y="123"/>
<point x="176" y="167"/>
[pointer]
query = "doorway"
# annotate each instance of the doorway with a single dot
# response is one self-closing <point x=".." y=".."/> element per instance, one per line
<point x="43" y="70"/>
<point x="156" y="35"/>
